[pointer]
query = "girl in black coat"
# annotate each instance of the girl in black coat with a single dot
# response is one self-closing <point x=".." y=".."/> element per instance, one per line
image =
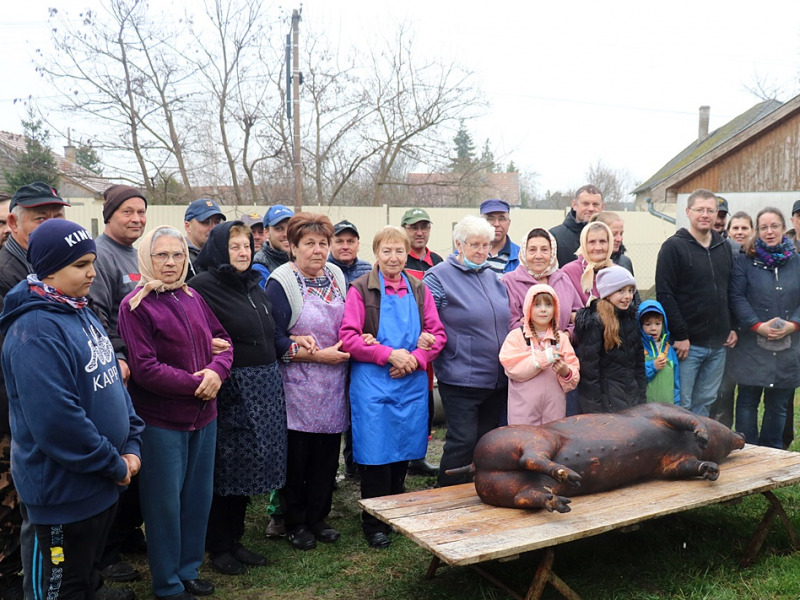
<point x="609" y="346"/>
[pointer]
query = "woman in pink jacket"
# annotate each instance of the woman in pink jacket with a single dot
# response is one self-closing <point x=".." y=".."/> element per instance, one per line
<point x="539" y="361"/>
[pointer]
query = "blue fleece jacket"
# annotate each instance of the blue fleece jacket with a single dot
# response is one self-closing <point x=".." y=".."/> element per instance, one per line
<point x="71" y="417"/>
<point x="653" y="348"/>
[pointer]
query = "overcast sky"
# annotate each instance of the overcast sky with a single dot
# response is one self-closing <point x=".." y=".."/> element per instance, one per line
<point x="568" y="83"/>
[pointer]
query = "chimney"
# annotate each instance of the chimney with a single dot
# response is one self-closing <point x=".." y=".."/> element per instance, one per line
<point x="702" y="130"/>
<point x="70" y="153"/>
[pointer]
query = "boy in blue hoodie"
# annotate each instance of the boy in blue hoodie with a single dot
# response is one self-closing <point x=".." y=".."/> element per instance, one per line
<point x="76" y="439"/>
<point x="660" y="360"/>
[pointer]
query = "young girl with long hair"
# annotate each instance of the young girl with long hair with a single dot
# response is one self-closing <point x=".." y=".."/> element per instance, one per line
<point x="609" y="346"/>
<point x="539" y="361"/>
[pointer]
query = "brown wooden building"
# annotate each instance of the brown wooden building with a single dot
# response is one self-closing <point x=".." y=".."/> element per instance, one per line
<point x="757" y="152"/>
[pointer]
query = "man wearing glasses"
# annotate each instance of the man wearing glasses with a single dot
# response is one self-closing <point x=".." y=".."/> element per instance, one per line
<point x="692" y="274"/>
<point x="504" y="254"/>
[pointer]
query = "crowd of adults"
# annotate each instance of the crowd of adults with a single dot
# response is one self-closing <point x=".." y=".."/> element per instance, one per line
<point x="175" y="380"/>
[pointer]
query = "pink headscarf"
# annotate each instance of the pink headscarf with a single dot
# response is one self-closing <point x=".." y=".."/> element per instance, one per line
<point x="148" y="282"/>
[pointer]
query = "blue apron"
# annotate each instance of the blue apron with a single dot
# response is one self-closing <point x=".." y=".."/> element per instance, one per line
<point x="390" y="416"/>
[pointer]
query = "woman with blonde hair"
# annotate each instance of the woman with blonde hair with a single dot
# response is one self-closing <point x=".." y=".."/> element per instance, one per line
<point x="388" y="379"/>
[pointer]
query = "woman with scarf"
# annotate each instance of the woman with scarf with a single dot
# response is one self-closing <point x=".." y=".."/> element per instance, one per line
<point x="574" y="283"/>
<point x="538" y="259"/>
<point x="764" y="296"/>
<point x="176" y="372"/>
<point x="251" y="421"/>
<point x="473" y="307"/>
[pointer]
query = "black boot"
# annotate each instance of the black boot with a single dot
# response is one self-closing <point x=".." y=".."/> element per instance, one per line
<point x="421" y="466"/>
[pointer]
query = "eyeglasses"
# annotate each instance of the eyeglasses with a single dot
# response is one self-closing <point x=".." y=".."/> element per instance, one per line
<point x="476" y="246"/>
<point x="773" y="227"/>
<point x="498" y="219"/>
<point x="704" y="211"/>
<point x="419" y="226"/>
<point x="162" y="257"/>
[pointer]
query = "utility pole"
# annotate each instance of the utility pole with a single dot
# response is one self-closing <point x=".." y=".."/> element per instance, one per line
<point x="298" y="175"/>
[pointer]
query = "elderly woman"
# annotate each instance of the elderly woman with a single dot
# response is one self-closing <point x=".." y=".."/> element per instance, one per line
<point x="175" y="377"/>
<point x="473" y="306"/>
<point x="574" y="283"/>
<point x="538" y="259"/>
<point x="764" y="292"/>
<point x="307" y="297"/>
<point x="251" y="426"/>
<point x="388" y="380"/>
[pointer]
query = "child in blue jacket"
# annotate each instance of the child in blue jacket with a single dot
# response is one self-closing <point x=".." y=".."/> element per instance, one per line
<point x="660" y="360"/>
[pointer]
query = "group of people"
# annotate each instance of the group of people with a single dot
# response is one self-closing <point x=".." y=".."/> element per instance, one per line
<point x="185" y="375"/>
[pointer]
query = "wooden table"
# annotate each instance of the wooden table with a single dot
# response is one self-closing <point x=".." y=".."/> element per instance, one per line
<point x="459" y="529"/>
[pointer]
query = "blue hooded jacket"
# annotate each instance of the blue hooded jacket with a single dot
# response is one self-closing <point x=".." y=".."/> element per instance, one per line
<point x="71" y="417"/>
<point x="652" y="348"/>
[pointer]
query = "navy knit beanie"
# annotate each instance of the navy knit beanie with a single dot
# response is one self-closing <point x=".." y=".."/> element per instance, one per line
<point x="57" y="243"/>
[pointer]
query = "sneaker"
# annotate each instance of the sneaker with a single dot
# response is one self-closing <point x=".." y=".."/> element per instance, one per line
<point x="276" y="527"/>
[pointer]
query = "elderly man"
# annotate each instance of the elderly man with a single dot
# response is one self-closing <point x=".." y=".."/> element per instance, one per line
<point x="504" y="254"/>
<point x="275" y="251"/>
<point x="117" y="268"/>
<point x="5" y="230"/>
<point x="256" y="224"/>
<point x="344" y="251"/>
<point x="200" y="218"/>
<point x="588" y="201"/>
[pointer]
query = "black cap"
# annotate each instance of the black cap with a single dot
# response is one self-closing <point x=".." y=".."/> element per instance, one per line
<point x="795" y="207"/>
<point x="344" y="226"/>
<point x="36" y="194"/>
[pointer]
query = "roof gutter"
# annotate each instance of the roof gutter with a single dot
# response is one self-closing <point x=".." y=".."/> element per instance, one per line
<point x="655" y="213"/>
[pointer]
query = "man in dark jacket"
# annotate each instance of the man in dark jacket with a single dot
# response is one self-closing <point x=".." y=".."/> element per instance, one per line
<point x="692" y="274"/>
<point x="344" y="251"/>
<point x="588" y="201"/>
<point x="200" y="218"/>
<point x="275" y="250"/>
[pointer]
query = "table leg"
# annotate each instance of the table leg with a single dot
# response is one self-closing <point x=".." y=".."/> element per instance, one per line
<point x="436" y="562"/>
<point x="545" y="575"/>
<point x="775" y="510"/>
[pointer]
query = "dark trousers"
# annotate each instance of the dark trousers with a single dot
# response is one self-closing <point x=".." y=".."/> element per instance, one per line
<point x="225" y="523"/>
<point x="381" y="480"/>
<point x="126" y="530"/>
<point x="65" y="558"/>
<point x="469" y="413"/>
<point x="311" y="463"/>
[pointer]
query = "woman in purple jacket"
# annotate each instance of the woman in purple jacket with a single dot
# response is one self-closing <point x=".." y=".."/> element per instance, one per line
<point x="176" y="371"/>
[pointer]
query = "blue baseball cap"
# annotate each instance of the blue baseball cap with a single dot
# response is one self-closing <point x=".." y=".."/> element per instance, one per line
<point x="202" y="209"/>
<point x="276" y="214"/>
<point x="490" y="206"/>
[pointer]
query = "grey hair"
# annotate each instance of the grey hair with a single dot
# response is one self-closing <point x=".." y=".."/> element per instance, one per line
<point x="472" y="226"/>
<point x="166" y="231"/>
<point x="17" y="211"/>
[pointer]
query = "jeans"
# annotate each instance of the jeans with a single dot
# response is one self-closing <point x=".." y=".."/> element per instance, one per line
<point x="701" y="375"/>
<point x="776" y="403"/>
<point x="469" y="414"/>
<point x="176" y="484"/>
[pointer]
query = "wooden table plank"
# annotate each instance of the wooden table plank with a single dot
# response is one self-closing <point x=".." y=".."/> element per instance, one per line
<point x="456" y="526"/>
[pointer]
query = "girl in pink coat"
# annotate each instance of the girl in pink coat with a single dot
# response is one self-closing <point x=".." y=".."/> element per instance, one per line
<point x="539" y="361"/>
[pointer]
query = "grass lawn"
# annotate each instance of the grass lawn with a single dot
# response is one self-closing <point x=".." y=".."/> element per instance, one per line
<point x="693" y="555"/>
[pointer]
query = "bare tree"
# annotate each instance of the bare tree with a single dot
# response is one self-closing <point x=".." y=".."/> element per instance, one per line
<point x="414" y="100"/>
<point x="615" y="184"/>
